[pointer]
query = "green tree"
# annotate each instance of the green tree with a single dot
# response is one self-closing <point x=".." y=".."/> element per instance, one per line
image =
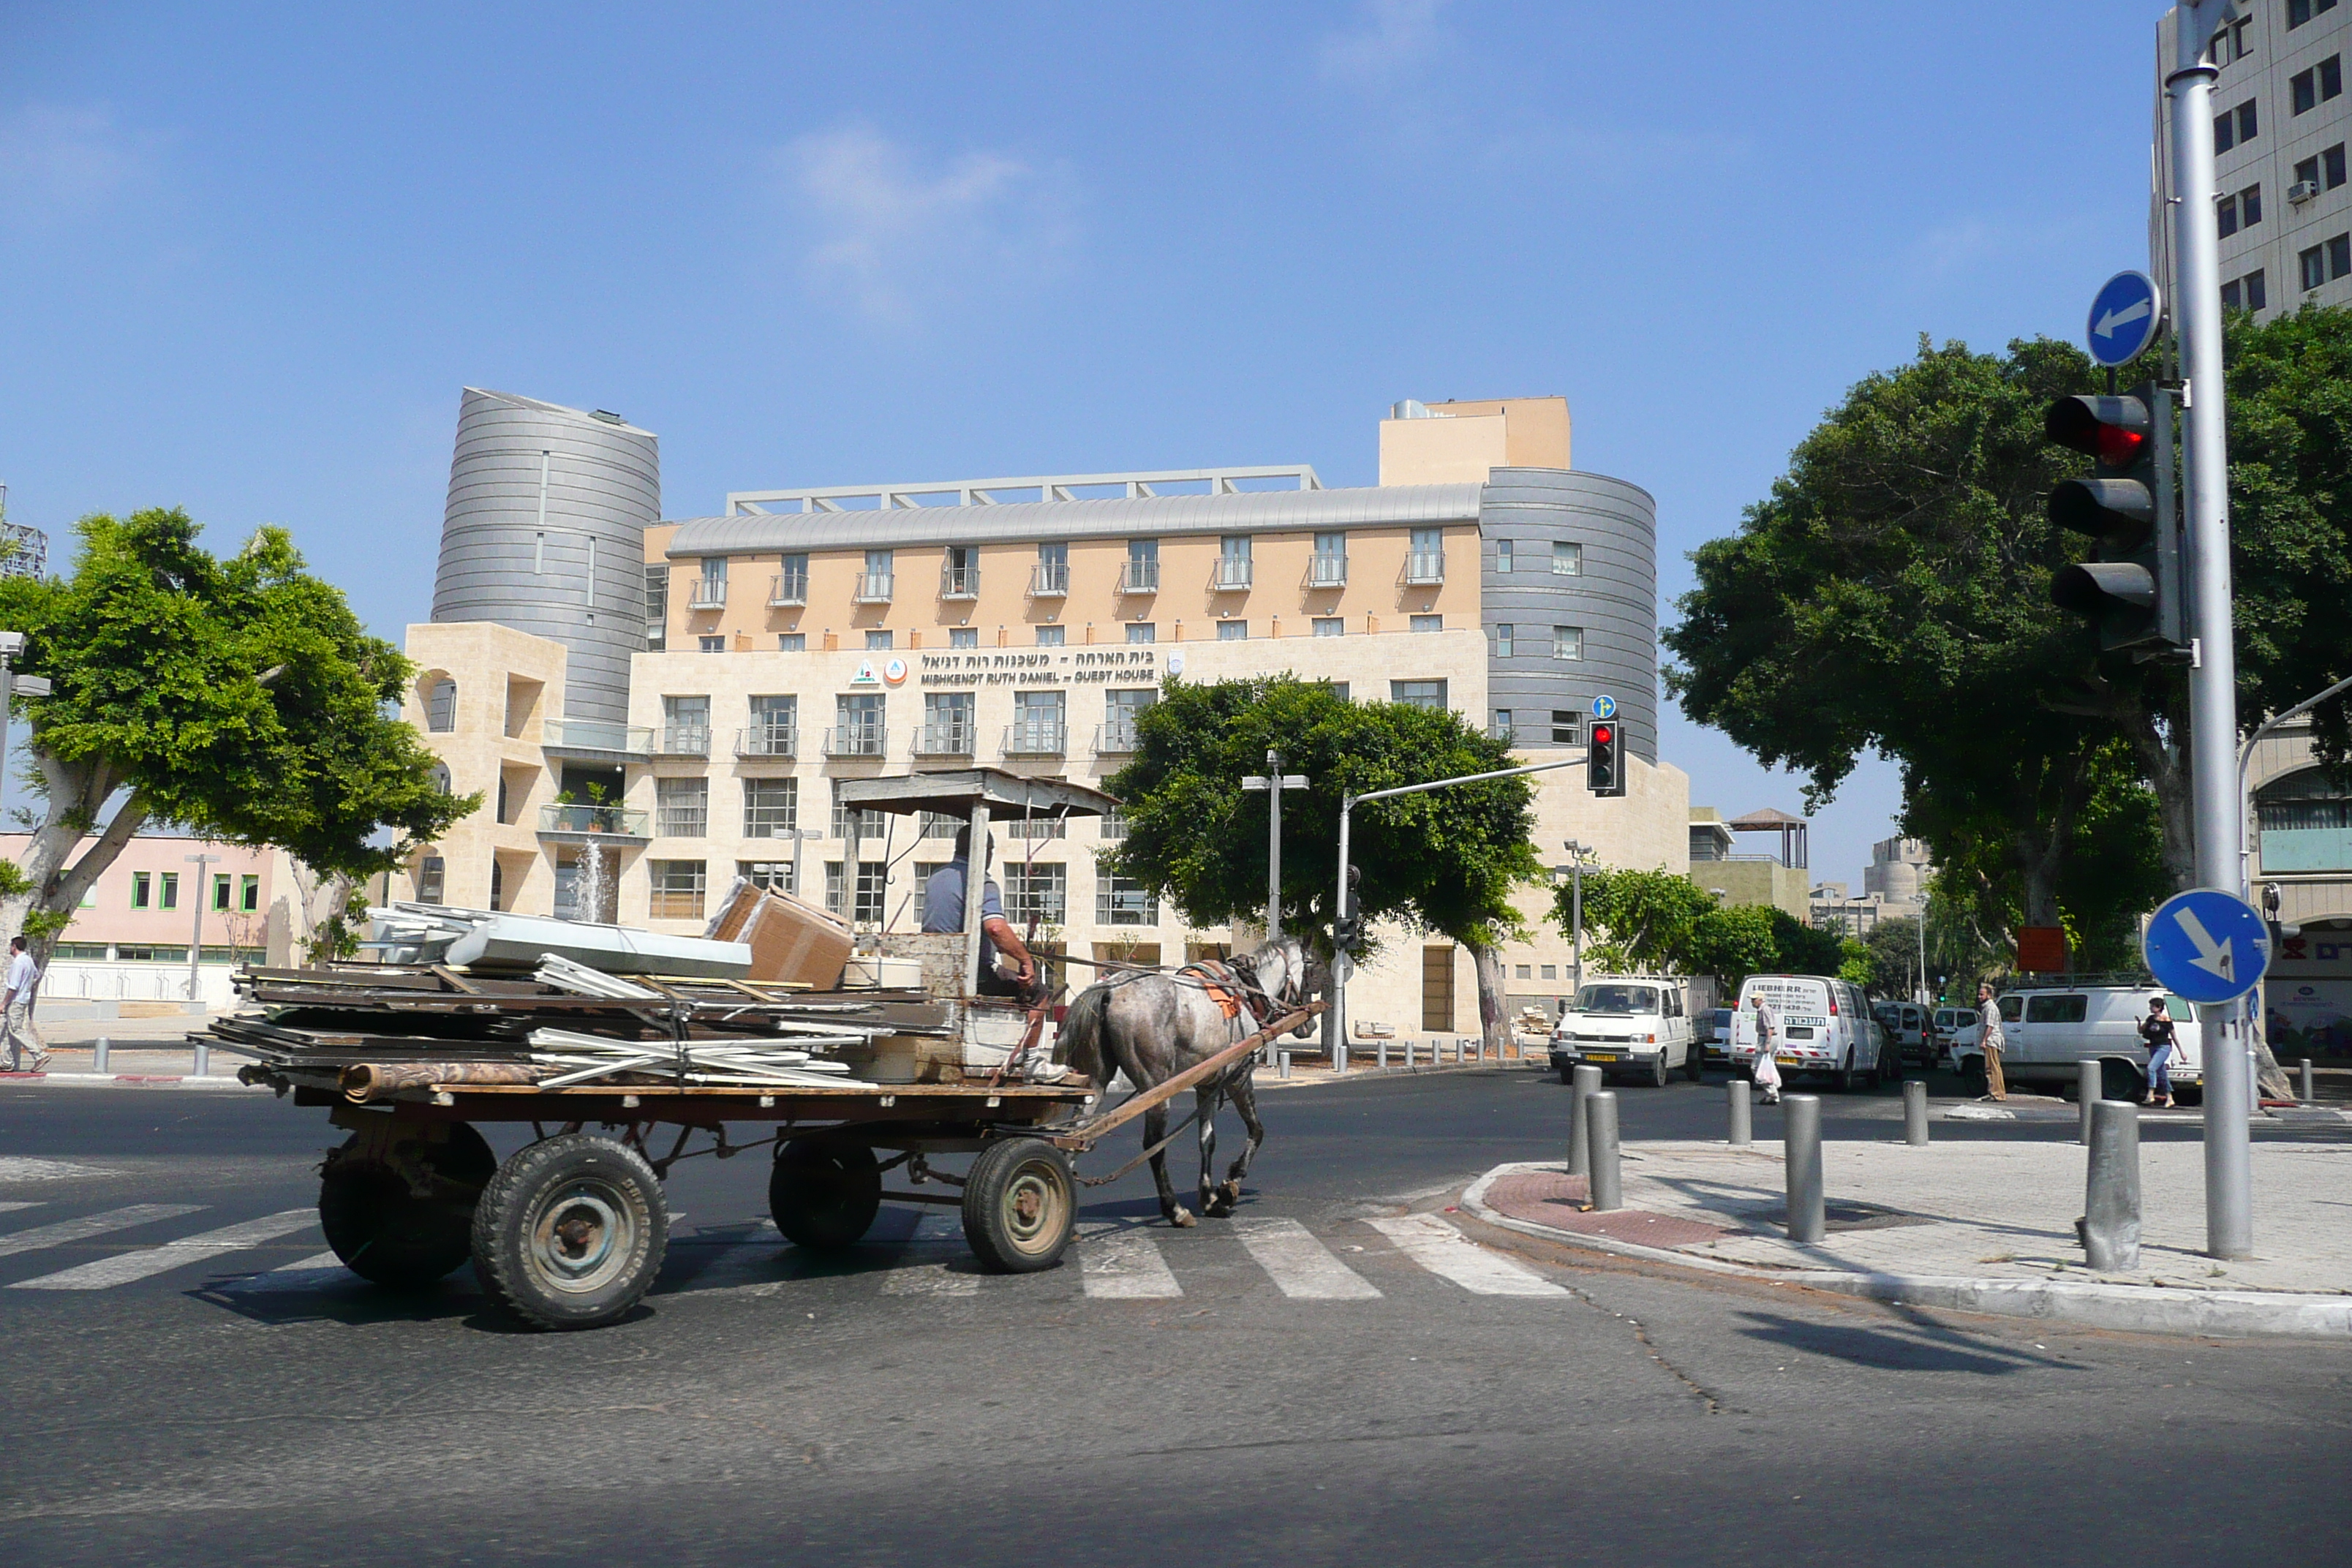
<point x="238" y="698"/>
<point x="1659" y="923"/>
<point x="1446" y="860"/>
<point x="1894" y="949"/>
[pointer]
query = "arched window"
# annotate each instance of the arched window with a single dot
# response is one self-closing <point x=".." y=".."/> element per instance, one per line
<point x="441" y="778"/>
<point x="441" y="707"/>
<point x="498" y="884"/>
<point x="432" y="872"/>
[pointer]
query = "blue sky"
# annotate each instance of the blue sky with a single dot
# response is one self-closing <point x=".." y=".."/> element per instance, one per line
<point x="248" y="255"/>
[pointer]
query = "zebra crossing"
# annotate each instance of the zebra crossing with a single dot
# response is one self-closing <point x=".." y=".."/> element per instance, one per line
<point x="1117" y="1260"/>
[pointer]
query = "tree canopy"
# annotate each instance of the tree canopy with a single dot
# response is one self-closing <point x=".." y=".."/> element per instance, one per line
<point x="1659" y="923"/>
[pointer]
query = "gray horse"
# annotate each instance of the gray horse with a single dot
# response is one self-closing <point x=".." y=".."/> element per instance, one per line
<point x="1153" y="1026"/>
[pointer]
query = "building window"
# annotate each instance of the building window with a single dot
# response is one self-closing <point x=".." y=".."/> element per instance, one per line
<point x="248" y="894"/>
<point x="847" y="823"/>
<point x="877" y="642"/>
<point x="1329" y="566"/>
<point x="880" y="571"/>
<point x="1048" y="636"/>
<point x="1122" y="902"/>
<point x="1233" y="561"/>
<point x="1329" y="625"/>
<point x="1142" y="571"/>
<point x="1028" y="827"/>
<point x="1232" y="631"/>
<point x="1120" y="710"/>
<point x="791" y="581"/>
<point x="792" y="642"/>
<point x="686" y="726"/>
<point x="2230" y="299"/>
<point x="678" y="888"/>
<point x="872" y="879"/>
<point x="1141" y="631"/>
<point x="860" y="724"/>
<point x="1506" y="638"/>
<point x="2247" y="122"/>
<point x="2229" y="41"/>
<point x="681" y="807"/>
<point x="170" y="881"/>
<point x="1114" y="827"/>
<point x="432" y="876"/>
<point x="1567" y="642"/>
<point x="1502" y="555"/>
<point x="775" y="876"/>
<point x="710" y="589"/>
<point x="1053" y="574"/>
<point x="2322" y="262"/>
<point x="1424" y="563"/>
<point x="1418" y="693"/>
<point x="1428" y="623"/>
<point x="948" y="723"/>
<point x="1504" y="727"/>
<point x="1039" y="723"/>
<point x="498" y="884"/>
<point x="141" y="888"/>
<point x="2339" y="256"/>
<point x="2316" y="85"/>
<point x="960" y="572"/>
<point x="1338" y="689"/>
<point x="441" y="708"/>
<point x="713" y="643"/>
<point x="963" y="636"/>
<point x="1037" y="891"/>
<point x="770" y="807"/>
<point x="656" y="608"/>
<point x="2298" y="12"/>
<point x="1551" y="972"/>
<point x="2245" y="293"/>
<point x="2232" y="126"/>
<point x="2332" y="161"/>
<point x="1566" y="726"/>
<point x="1567" y="559"/>
<point x="221" y="893"/>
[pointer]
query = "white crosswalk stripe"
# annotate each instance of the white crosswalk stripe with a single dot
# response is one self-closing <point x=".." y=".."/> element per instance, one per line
<point x="90" y="1225"/>
<point x="1124" y="1265"/>
<point x="1448" y="1254"/>
<point x="13" y="1207"/>
<point x="1301" y="1266"/>
<point x="125" y="1266"/>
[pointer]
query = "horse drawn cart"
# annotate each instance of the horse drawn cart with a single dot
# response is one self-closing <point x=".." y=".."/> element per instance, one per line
<point x="619" y="1077"/>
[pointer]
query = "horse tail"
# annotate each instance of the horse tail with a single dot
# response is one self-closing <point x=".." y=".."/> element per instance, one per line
<point x="1081" y="1035"/>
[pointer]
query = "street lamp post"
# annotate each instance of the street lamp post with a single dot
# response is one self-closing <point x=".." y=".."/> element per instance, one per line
<point x="196" y="931"/>
<point x="1577" y="852"/>
<point x="1272" y="785"/>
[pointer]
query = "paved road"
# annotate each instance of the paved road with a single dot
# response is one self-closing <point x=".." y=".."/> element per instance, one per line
<point x="1341" y="1377"/>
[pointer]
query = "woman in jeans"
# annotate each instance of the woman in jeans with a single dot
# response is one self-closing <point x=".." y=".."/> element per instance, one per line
<point x="2157" y="1030"/>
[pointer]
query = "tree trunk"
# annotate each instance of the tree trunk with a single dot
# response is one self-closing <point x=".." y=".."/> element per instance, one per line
<point x="1492" y="1026"/>
<point x="75" y="793"/>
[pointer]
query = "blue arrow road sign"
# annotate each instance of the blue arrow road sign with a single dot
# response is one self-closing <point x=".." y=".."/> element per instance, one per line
<point x="2207" y="946"/>
<point x="1604" y="708"/>
<point x="2124" y="317"/>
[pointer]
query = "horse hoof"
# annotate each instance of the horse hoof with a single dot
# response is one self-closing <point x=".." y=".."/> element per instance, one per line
<point x="1183" y="1219"/>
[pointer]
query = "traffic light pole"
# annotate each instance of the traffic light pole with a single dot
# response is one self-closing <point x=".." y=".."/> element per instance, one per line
<point x="2212" y="676"/>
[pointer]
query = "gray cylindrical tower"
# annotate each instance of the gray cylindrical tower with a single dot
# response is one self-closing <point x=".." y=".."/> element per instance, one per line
<point x="545" y="532"/>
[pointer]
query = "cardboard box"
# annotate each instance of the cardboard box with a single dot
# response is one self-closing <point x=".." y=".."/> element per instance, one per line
<point x="789" y="940"/>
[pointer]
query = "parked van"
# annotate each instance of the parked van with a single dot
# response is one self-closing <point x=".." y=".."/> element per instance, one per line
<point x="1906" y="1025"/>
<point x="1952" y="1027"/>
<point x="1638" y="1024"/>
<point x="1825" y="1028"/>
<point x="2046" y="1031"/>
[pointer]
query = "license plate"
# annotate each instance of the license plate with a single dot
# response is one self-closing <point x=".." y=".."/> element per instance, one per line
<point x="1598" y="1057"/>
<point x="1785" y="1059"/>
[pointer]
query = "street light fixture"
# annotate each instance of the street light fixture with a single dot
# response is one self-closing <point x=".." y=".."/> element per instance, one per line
<point x="196" y="933"/>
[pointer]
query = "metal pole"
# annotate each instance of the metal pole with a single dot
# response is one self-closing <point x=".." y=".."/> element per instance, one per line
<point x="1915" y="1112"/>
<point x="1801" y="1152"/>
<point x="197" y="932"/>
<point x="1743" y="1131"/>
<point x="8" y="645"/>
<point x="1608" y="1186"/>
<point x="1272" y="845"/>
<point x="2090" y="1087"/>
<point x="2212" y="676"/>
<point x="2308" y="1098"/>
<point x="2111" y="1223"/>
<point x="1334" y="1012"/>
<point x="1576" y="897"/>
<point x="1584" y="1083"/>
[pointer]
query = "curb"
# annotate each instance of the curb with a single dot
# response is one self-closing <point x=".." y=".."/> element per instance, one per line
<point x="2132" y="1309"/>
<point x="124" y="1080"/>
<point x="1378" y="1075"/>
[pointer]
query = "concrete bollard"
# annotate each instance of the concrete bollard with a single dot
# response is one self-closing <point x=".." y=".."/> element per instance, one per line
<point x="1282" y="1063"/>
<point x="98" y="1054"/>
<point x="1584" y="1083"/>
<point x="2090" y="1087"/>
<point x="1802" y="1150"/>
<point x="1743" y="1128"/>
<point x="1408" y="1053"/>
<point x="1915" y="1112"/>
<point x="204" y="1060"/>
<point x="1608" y="1185"/>
<point x="2305" y="1072"/>
<point x="2111" y="1199"/>
<point x="1339" y="1058"/>
<point x="1384" y="1056"/>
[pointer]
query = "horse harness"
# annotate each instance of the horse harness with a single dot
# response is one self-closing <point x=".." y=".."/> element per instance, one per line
<point x="1234" y="996"/>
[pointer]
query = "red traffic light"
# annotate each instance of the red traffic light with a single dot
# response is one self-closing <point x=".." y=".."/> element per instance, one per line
<point x="1602" y="734"/>
<point x="2112" y="429"/>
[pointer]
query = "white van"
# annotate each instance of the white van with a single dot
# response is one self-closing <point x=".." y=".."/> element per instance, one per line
<point x="1639" y="1024"/>
<point x="2046" y="1031"/>
<point x="1825" y="1028"/>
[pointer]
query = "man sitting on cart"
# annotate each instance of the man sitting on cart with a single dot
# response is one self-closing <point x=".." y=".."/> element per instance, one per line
<point x="943" y="912"/>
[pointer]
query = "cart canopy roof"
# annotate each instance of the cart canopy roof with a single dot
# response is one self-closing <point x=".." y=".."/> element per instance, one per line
<point x="1007" y="795"/>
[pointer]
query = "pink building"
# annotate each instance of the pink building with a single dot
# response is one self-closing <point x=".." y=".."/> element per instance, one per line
<point x="145" y="906"/>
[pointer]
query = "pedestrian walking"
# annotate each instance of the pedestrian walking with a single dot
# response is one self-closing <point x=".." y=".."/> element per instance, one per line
<point x="16" y="1026"/>
<point x="1767" y="1071"/>
<point x="1989" y="1017"/>
<point x="2163" y="1038"/>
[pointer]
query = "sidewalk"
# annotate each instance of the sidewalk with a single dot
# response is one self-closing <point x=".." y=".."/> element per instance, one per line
<point x="1975" y="1226"/>
<point x="140" y="1051"/>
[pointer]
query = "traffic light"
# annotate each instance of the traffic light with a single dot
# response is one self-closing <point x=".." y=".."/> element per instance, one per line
<point x="1604" y="758"/>
<point x="2131" y="588"/>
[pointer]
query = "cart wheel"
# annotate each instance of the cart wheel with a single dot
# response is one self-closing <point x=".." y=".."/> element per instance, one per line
<point x="381" y="1229"/>
<point x="824" y="1192"/>
<point x="1019" y="1205"/>
<point x="571" y="1231"/>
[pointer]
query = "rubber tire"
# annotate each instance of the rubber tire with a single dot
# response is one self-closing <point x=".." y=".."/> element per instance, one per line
<point x="2121" y="1081"/>
<point x="1658" y="1070"/>
<point x="1568" y="1077"/>
<point x="1848" y="1080"/>
<point x="824" y="1192"/>
<point x="529" y="1190"/>
<point x="1975" y="1082"/>
<point x="1004" y="1242"/>
<point x="2188" y="1094"/>
<point x="1889" y="1069"/>
<point x="1695" y="1065"/>
<point x="384" y="1233"/>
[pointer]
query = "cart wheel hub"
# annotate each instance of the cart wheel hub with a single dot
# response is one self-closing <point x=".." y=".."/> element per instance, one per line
<point x="581" y="1236"/>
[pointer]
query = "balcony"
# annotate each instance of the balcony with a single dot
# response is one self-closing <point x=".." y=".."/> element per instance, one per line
<point x="1036" y="738"/>
<point x="597" y="736"/>
<point x="610" y="821"/>
<point x="1424" y="569"/>
<point x="787" y="589"/>
<point x="957" y="583"/>
<point x="1114" y="740"/>
<point x="1232" y="576"/>
<point x="1050" y="580"/>
<point x="768" y="741"/>
<point x="873" y="588"/>
<point x="944" y="740"/>
<point x="707" y="593"/>
<point x="1140" y="578"/>
<point x="1326" y="571"/>
<point x="856" y="741"/>
<point x="684" y="741"/>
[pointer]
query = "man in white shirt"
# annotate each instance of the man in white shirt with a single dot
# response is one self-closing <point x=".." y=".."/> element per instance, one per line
<point x="16" y="1026"/>
<point x="1989" y="1037"/>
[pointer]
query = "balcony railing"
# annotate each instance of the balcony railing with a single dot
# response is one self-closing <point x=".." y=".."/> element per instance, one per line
<point x="1326" y="571"/>
<point x="1050" y="579"/>
<point x="1114" y="740"/>
<point x="944" y="740"/>
<point x="959" y="582"/>
<point x="1036" y="738"/>
<point x="1233" y="574"/>
<point x="598" y="735"/>
<point x="1425" y="568"/>
<point x="684" y="741"/>
<point x="707" y="593"/>
<point x="618" y="821"/>
<point x="1140" y="578"/>
<point x="768" y="741"/>
<point x="873" y="588"/>
<point x="788" y="588"/>
<point x="856" y="741"/>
